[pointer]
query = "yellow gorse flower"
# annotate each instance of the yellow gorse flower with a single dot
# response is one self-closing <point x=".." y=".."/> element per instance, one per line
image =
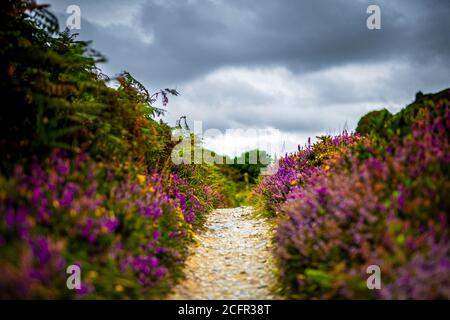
<point x="179" y="213"/>
<point x="55" y="204"/>
<point x="103" y="229"/>
<point x="99" y="211"/>
<point x="119" y="288"/>
<point x="148" y="189"/>
<point x="141" y="178"/>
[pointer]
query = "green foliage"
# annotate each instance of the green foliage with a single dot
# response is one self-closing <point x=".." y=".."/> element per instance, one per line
<point x="375" y="198"/>
<point x="384" y="126"/>
<point x="374" y="122"/>
<point x="85" y="172"/>
<point x="249" y="164"/>
<point x="61" y="99"/>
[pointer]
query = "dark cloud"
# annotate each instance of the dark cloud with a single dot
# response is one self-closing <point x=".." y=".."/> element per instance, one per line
<point x="191" y="38"/>
<point x="321" y="67"/>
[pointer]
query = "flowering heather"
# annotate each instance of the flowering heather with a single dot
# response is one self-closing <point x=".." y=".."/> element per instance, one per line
<point x="373" y="203"/>
<point x="125" y="231"/>
<point x="111" y="202"/>
<point x="294" y="169"/>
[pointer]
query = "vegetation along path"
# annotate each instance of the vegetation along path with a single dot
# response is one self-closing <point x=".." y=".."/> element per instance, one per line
<point x="232" y="259"/>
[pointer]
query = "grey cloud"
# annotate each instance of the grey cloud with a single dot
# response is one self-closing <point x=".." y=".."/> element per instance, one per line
<point x="193" y="39"/>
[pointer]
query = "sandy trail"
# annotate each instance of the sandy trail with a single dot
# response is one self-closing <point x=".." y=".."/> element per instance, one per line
<point x="232" y="259"/>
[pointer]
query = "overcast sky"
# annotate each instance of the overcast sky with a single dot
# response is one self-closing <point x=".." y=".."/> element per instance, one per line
<point x="290" y="69"/>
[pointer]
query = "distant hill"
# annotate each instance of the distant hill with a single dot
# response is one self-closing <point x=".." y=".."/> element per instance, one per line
<point x="384" y="124"/>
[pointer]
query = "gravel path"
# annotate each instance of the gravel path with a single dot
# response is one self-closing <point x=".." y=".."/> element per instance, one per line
<point x="232" y="259"/>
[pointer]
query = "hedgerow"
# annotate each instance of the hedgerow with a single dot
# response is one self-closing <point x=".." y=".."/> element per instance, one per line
<point x="377" y="198"/>
<point x="85" y="171"/>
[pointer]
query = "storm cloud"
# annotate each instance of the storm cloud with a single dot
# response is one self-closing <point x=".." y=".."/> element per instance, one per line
<point x="301" y="67"/>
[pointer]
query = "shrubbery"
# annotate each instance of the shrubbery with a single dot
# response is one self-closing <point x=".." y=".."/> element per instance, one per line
<point x="85" y="172"/>
<point x="294" y="169"/>
<point x="378" y="199"/>
<point x="125" y="230"/>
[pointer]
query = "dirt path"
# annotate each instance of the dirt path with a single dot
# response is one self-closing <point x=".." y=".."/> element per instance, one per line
<point x="232" y="259"/>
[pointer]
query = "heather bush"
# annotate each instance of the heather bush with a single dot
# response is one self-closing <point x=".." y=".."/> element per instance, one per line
<point x="294" y="169"/>
<point x="374" y="202"/>
<point x="127" y="231"/>
<point x="85" y="172"/>
<point x="58" y="98"/>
